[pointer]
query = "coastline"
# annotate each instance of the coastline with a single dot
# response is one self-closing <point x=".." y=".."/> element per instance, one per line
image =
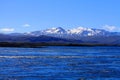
<point x="41" y="44"/>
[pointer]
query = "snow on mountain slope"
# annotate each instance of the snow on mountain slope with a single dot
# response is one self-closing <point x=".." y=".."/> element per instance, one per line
<point x="80" y="31"/>
<point x="52" y="31"/>
<point x="87" y="31"/>
<point x="57" y="30"/>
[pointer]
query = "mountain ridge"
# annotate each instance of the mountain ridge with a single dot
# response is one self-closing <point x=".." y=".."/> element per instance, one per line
<point x="78" y="35"/>
<point x="74" y="33"/>
<point x="59" y="31"/>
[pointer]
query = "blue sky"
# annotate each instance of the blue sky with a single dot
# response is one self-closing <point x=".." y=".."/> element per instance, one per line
<point x="31" y="15"/>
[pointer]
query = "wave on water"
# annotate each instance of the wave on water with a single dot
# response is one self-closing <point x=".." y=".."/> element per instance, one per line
<point x="60" y="56"/>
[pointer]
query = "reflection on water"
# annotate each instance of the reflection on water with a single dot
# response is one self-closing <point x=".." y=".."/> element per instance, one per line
<point x="60" y="63"/>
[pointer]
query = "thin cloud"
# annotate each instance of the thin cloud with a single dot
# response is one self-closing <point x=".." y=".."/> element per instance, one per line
<point x="111" y="28"/>
<point x="26" y="25"/>
<point x="7" y="29"/>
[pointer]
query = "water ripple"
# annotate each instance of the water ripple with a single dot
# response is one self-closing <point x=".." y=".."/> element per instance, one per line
<point x="59" y="56"/>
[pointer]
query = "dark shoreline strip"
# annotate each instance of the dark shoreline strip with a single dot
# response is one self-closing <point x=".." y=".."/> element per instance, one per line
<point x="43" y="44"/>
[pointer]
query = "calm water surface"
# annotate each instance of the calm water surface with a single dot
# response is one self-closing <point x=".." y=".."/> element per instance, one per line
<point x="60" y="63"/>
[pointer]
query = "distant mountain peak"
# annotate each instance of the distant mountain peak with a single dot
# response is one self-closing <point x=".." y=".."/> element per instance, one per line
<point x="83" y="28"/>
<point x="80" y="30"/>
<point x="57" y="30"/>
<point x="58" y="34"/>
<point x="72" y="33"/>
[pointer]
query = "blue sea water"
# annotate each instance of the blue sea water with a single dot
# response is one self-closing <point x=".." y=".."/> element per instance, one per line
<point x="60" y="63"/>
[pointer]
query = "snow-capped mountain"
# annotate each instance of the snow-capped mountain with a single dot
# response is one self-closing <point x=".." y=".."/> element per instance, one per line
<point x="52" y="31"/>
<point x="57" y="30"/>
<point x="76" y="35"/>
<point x="80" y="31"/>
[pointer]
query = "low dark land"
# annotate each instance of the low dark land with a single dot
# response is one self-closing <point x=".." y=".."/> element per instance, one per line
<point x="41" y="44"/>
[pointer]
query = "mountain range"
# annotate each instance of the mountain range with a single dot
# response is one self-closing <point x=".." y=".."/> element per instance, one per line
<point x="80" y="31"/>
<point x="78" y="35"/>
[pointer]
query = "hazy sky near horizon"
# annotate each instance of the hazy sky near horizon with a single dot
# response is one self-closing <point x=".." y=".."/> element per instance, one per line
<point x="31" y="15"/>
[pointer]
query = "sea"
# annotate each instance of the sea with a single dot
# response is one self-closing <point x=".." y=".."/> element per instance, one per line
<point x="60" y="63"/>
